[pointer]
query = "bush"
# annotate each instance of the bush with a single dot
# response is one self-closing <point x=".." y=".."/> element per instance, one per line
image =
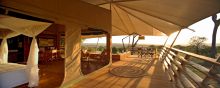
<point x="114" y="50"/>
<point x="101" y="48"/>
<point x="120" y="50"/>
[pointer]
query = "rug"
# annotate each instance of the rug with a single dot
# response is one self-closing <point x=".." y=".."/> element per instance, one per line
<point x="128" y="71"/>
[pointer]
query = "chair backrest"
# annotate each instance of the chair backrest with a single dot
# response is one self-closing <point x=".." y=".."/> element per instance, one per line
<point x="84" y="54"/>
<point x="104" y="52"/>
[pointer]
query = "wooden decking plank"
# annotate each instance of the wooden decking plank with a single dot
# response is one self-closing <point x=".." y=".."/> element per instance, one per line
<point x="155" y="77"/>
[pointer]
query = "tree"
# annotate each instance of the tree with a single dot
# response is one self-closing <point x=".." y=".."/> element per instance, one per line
<point x="216" y="24"/>
<point x="218" y="49"/>
<point x="197" y="43"/>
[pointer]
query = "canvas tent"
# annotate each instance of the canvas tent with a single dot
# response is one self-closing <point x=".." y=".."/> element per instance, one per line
<point x="74" y="15"/>
<point x="147" y="17"/>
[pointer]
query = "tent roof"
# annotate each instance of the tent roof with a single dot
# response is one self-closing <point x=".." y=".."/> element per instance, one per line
<point x="167" y="16"/>
<point x="145" y="17"/>
<point x="66" y="12"/>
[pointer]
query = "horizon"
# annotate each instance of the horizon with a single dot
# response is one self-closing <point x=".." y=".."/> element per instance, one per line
<point x="103" y="44"/>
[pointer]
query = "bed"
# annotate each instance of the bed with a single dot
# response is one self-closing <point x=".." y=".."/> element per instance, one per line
<point x="12" y="74"/>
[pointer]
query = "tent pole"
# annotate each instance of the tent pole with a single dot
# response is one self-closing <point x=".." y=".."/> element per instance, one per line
<point x="166" y="41"/>
<point x="123" y="45"/>
<point x="175" y="38"/>
<point x="169" y="48"/>
<point x="123" y="42"/>
<point x="109" y="41"/>
<point x="109" y="48"/>
<point x="132" y="45"/>
<point x="129" y="42"/>
<point x="135" y="42"/>
<point x="97" y="44"/>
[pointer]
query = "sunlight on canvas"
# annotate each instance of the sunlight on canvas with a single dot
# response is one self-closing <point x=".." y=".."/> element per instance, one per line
<point x="202" y="28"/>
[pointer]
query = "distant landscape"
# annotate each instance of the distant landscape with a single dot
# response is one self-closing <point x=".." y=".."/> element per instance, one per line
<point x="121" y="45"/>
<point x="118" y="47"/>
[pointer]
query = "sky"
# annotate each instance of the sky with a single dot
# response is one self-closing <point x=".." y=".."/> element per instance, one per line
<point x="202" y="28"/>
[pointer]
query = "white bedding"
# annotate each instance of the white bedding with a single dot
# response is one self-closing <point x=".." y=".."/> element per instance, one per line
<point x="12" y="75"/>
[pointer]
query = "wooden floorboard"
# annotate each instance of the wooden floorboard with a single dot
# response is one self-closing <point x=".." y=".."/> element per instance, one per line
<point x="154" y="78"/>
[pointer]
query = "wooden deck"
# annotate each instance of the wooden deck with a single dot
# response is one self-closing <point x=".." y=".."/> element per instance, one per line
<point x="154" y="77"/>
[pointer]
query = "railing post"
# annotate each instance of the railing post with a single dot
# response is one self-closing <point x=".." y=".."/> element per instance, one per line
<point x="213" y="71"/>
<point x="189" y="74"/>
<point x="163" y="54"/>
<point x="177" y="77"/>
<point x="173" y="65"/>
<point x="168" y="50"/>
<point x="183" y="63"/>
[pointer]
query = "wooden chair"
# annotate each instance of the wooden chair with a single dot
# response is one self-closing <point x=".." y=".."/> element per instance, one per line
<point x="101" y="58"/>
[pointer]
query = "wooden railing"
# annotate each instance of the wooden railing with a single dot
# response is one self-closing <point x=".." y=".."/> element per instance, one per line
<point x="189" y="70"/>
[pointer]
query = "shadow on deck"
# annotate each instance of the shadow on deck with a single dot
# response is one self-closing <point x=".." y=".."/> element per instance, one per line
<point x="154" y="77"/>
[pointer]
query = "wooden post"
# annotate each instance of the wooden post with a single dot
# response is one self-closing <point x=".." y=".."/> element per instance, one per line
<point x="213" y="71"/>
<point x="109" y="47"/>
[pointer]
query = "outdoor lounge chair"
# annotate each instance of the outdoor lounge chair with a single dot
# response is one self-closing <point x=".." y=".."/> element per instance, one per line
<point x="101" y="58"/>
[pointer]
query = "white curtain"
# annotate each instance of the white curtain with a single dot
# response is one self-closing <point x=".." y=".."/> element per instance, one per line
<point x="31" y="29"/>
<point x="4" y="45"/>
<point x="32" y="64"/>
<point x="4" y="51"/>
